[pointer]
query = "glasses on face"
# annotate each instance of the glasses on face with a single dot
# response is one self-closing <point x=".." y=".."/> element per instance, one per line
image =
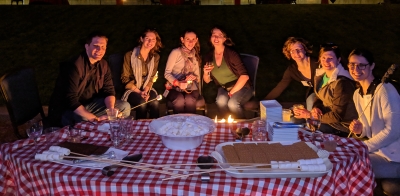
<point x="296" y="51"/>
<point x="217" y="36"/>
<point x="329" y="45"/>
<point x="360" y="66"/>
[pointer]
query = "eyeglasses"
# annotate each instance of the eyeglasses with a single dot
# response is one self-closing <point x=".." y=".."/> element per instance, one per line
<point x="296" y="51"/>
<point x="360" y="66"/>
<point x="329" y="45"/>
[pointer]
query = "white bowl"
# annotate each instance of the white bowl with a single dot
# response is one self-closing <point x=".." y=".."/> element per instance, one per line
<point x="186" y="138"/>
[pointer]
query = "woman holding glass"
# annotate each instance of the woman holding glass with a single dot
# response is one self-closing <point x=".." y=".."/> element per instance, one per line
<point x="139" y="69"/>
<point x="302" y="69"/>
<point x="334" y="89"/>
<point x="379" y="109"/>
<point x="229" y="74"/>
<point x="183" y="74"/>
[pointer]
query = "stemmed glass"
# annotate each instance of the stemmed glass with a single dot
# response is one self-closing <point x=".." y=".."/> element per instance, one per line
<point x="314" y="123"/>
<point x="34" y="132"/>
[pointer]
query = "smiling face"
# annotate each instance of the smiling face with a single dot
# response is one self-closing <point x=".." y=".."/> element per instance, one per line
<point x="297" y="51"/>
<point x="329" y="61"/>
<point x="96" y="49"/>
<point x="190" y="40"/>
<point x="217" y="37"/>
<point x="149" y="41"/>
<point x="360" y="69"/>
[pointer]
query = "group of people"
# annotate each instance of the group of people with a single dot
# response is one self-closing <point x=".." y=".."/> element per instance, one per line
<point x="84" y="88"/>
<point x="346" y="102"/>
<point x="182" y="73"/>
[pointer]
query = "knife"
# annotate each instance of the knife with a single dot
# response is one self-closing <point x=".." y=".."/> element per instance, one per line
<point x="110" y="170"/>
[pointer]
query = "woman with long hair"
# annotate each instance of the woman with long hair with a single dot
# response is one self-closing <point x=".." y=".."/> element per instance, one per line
<point x="139" y="69"/>
<point x="229" y="74"/>
<point x="183" y="74"/>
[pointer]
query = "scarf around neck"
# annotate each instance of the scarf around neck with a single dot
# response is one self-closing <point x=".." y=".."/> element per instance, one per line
<point x="136" y="64"/>
<point x="189" y="57"/>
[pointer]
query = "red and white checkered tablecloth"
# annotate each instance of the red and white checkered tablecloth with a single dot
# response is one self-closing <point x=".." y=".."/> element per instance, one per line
<point x="20" y="174"/>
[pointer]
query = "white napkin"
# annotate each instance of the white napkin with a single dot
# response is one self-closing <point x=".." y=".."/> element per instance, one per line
<point x="120" y="154"/>
<point x="105" y="127"/>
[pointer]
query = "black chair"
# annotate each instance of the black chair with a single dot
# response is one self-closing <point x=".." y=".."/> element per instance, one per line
<point x="251" y="64"/>
<point x="115" y="62"/>
<point x="21" y="94"/>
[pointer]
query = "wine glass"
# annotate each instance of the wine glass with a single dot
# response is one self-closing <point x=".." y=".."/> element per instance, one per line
<point x="34" y="132"/>
<point x="314" y="123"/>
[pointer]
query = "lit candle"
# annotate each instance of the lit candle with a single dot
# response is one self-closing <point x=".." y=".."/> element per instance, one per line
<point x="215" y="120"/>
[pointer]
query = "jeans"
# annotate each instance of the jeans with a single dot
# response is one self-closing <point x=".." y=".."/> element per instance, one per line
<point x="183" y="102"/>
<point x="383" y="168"/>
<point x="98" y="108"/>
<point x="141" y="112"/>
<point x="233" y="105"/>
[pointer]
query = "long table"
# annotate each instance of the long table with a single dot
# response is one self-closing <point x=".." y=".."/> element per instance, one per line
<point x="20" y="174"/>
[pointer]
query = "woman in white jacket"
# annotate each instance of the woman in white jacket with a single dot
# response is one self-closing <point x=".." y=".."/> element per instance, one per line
<point x="379" y="119"/>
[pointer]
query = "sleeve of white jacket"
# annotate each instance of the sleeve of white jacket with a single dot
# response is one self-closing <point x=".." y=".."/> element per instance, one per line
<point x="387" y="102"/>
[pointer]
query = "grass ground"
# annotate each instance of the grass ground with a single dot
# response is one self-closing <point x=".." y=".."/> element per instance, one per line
<point x="42" y="36"/>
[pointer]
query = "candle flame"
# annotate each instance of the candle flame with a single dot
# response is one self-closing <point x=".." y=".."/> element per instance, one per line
<point x="230" y="119"/>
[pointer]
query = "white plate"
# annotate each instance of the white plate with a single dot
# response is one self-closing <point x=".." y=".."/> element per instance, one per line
<point x="273" y="173"/>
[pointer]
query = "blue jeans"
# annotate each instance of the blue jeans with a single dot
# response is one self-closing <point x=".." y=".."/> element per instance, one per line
<point x="183" y="102"/>
<point x="383" y="168"/>
<point x="96" y="107"/>
<point x="233" y="105"/>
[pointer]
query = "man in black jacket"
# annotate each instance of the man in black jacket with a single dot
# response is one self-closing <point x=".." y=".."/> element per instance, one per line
<point x="84" y="88"/>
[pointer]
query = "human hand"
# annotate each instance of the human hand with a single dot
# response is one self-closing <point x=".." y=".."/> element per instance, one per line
<point x="208" y="67"/>
<point x="190" y="77"/>
<point x="145" y="95"/>
<point x="100" y="118"/>
<point x="356" y="127"/>
<point x="316" y="113"/>
<point x="183" y="85"/>
<point x="301" y="113"/>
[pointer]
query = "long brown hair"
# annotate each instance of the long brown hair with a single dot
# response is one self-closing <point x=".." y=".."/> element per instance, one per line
<point x="228" y="41"/>
<point x="158" y="44"/>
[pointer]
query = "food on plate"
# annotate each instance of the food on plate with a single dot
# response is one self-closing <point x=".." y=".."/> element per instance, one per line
<point x="278" y="155"/>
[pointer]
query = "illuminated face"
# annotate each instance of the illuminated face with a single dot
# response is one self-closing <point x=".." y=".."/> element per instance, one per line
<point x="329" y="61"/>
<point x="297" y="51"/>
<point x="96" y="49"/>
<point x="359" y="68"/>
<point x="149" y="41"/>
<point x="217" y="38"/>
<point x="189" y="40"/>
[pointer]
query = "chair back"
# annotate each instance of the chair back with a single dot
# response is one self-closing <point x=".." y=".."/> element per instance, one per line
<point x="21" y="94"/>
<point x="251" y="64"/>
<point x="116" y="61"/>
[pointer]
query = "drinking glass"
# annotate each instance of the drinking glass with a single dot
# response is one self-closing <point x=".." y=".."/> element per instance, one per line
<point x="34" y="132"/>
<point x="115" y="133"/>
<point x="314" y="123"/>
<point x="126" y="124"/>
<point x="330" y="142"/>
<point x="74" y="135"/>
<point x="52" y="134"/>
<point x="259" y="131"/>
<point x="286" y="114"/>
<point x="112" y="113"/>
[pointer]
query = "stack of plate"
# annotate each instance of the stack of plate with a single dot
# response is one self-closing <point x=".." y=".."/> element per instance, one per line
<point x="282" y="133"/>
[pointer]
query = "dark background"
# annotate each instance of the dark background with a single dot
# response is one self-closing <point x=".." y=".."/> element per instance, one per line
<point x="43" y="36"/>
